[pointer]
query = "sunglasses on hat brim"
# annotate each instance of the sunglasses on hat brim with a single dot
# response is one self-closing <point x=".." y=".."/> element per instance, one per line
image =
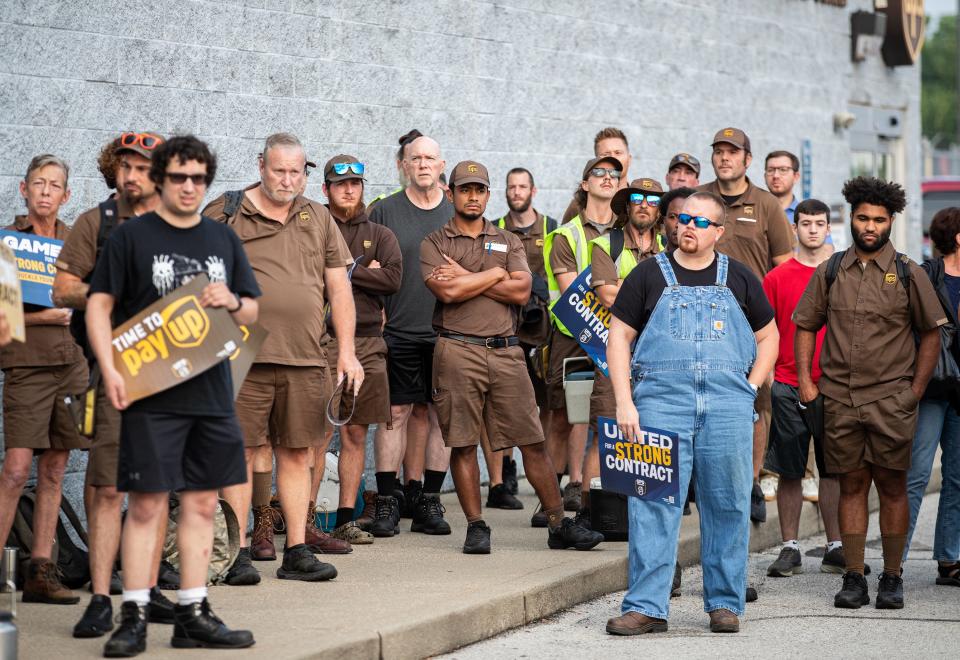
<point x="343" y="168"/>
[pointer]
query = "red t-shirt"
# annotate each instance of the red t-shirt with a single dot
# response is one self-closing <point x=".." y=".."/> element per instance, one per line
<point x="784" y="286"/>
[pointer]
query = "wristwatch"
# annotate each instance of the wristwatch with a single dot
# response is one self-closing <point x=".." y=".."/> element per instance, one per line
<point x="239" y="305"/>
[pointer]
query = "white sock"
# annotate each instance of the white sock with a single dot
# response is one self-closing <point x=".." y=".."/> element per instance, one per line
<point x="795" y="544"/>
<point x="191" y="596"/>
<point x="833" y="545"/>
<point x="138" y="596"/>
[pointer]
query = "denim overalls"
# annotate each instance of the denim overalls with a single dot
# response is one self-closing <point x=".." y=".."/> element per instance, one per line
<point x="690" y="371"/>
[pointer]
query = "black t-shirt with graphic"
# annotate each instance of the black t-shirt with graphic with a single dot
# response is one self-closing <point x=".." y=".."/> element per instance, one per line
<point x="146" y="258"/>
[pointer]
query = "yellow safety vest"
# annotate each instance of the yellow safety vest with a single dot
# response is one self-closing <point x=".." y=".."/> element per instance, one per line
<point x="383" y="196"/>
<point x="577" y="238"/>
<point x="625" y="263"/>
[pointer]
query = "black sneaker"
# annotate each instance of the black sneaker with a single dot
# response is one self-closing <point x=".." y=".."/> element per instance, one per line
<point x="572" y="535"/>
<point x="386" y="518"/>
<point x="889" y="592"/>
<point x="478" y="539"/>
<point x="161" y="607"/>
<point x="197" y="626"/>
<point x="539" y="517"/>
<point x="677" y="576"/>
<point x="510" y="476"/>
<point x="500" y="497"/>
<point x="583" y="519"/>
<point x="834" y="562"/>
<point x="751" y="595"/>
<point x="130" y="638"/>
<point x="948" y="575"/>
<point x="411" y="495"/>
<point x="300" y="564"/>
<point x="168" y="578"/>
<point x="788" y="563"/>
<point x="758" y="504"/>
<point x="242" y="573"/>
<point x="97" y="619"/>
<point x="429" y="516"/>
<point x="853" y="594"/>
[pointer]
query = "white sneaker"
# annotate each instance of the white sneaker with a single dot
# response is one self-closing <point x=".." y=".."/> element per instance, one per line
<point x="811" y="489"/>
<point x="768" y="484"/>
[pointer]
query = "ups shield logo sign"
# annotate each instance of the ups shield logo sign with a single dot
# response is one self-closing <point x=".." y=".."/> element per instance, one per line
<point x="905" y="32"/>
<point x="185" y="323"/>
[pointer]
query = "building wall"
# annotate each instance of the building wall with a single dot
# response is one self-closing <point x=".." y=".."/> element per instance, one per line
<point x="508" y="83"/>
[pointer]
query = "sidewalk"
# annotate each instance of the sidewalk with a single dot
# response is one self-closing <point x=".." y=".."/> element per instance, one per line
<point x="407" y="597"/>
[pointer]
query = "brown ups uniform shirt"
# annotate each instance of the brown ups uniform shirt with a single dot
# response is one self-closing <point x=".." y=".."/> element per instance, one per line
<point x="289" y="260"/>
<point x="562" y="258"/>
<point x="756" y="229"/>
<point x="480" y="316"/>
<point x="79" y="254"/>
<point x="532" y="238"/>
<point x="603" y="270"/>
<point x="45" y="345"/>
<point x="868" y="352"/>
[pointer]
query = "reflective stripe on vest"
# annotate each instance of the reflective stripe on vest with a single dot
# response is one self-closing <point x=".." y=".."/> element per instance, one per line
<point x="625" y="263"/>
<point x="577" y="238"/>
<point x="383" y="196"/>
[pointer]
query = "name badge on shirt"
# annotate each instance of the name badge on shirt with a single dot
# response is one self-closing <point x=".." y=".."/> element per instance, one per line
<point x="742" y="219"/>
<point x="495" y="247"/>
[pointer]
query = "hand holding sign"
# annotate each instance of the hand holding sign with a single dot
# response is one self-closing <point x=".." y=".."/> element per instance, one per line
<point x="115" y="387"/>
<point x="628" y="421"/>
<point x="218" y="295"/>
<point x="646" y="467"/>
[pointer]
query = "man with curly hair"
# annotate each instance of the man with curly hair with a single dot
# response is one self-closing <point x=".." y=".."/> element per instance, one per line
<point x="872" y="300"/>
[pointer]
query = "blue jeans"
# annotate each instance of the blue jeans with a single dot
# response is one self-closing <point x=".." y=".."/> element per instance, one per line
<point x="937" y="424"/>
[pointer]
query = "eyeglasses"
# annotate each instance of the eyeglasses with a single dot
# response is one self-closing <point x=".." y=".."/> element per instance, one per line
<point x="779" y="170"/>
<point x="600" y="172"/>
<point x="145" y="140"/>
<point x="652" y="200"/>
<point x="179" y="178"/>
<point x="343" y="168"/>
<point x="699" y="221"/>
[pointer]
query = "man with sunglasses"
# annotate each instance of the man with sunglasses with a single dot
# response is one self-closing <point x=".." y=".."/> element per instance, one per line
<point x="376" y="272"/>
<point x="707" y="340"/>
<point x="301" y="261"/>
<point x="566" y="255"/>
<point x="609" y="142"/>
<point x="185" y="438"/>
<point x="135" y="195"/>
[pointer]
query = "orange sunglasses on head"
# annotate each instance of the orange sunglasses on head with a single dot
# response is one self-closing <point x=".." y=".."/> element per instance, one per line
<point x="145" y="140"/>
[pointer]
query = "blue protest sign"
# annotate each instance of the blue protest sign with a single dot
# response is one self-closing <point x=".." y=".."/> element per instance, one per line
<point x="648" y="469"/>
<point x="36" y="256"/>
<point x="579" y="309"/>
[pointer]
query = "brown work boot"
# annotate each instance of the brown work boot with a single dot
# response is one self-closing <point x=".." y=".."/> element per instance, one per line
<point x="43" y="585"/>
<point x="261" y="545"/>
<point x="319" y="541"/>
<point x="724" y="621"/>
<point x="369" y="510"/>
<point x="279" y="525"/>
<point x="634" y="623"/>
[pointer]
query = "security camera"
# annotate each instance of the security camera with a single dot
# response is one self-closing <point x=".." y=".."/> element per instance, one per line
<point x="843" y="120"/>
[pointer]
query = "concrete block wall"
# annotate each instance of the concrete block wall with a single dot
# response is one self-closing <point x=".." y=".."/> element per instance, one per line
<point x="507" y="82"/>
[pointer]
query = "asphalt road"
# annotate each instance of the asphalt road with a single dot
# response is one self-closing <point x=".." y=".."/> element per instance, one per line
<point x="794" y="617"/>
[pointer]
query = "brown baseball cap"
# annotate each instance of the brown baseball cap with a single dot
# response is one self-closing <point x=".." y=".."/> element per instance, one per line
<point x="637" y="186"/>
<point x="685" y="159"/>
<point x="469" y="171"/>
<point x="331" y="176"/>
<point x="733" y="136"/>
<point x="593" y="162"/>
<point x="143" y="144"/>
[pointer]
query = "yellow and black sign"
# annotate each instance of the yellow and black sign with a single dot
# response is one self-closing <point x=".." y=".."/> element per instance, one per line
<point x="173" y="340"/>
<point x="11" y="297"/>
<point x="240" y="362"/>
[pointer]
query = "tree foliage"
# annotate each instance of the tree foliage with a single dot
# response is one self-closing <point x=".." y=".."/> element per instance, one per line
<point x="938" y="93"/>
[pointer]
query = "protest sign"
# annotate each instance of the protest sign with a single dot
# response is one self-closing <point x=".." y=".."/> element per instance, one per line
<point x="173" y="340"/>
<point x="36" y="256"/>
<point x="648" y="468"/>
<point x="11" y="300"/>
<point x="242" y="359"/>
<point x="580" y="310"/>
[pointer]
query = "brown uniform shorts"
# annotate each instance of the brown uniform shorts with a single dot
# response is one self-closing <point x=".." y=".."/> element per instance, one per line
<point x="475" y="386"/>
<point x="877" y="433"/>
<point x="34" y="414"/>
<point x="561" y="347"/>
<point x="602" y="401"/>
<point x="373" y="403"/>
<point x="104" y="454"/>
<point x="283" y="406"/>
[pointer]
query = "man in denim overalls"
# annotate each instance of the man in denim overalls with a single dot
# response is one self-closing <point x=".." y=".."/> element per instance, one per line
<point x="707" y="341"/>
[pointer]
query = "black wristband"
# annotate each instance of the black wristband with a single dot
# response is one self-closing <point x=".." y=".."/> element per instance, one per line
<point x="239" y="305"/>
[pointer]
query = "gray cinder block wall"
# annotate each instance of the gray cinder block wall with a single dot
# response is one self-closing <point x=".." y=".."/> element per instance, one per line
<point x="507" y="82"/>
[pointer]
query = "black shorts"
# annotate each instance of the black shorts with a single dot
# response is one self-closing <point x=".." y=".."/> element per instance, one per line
<point x="161" y="452"/>
<point x="789" y="443"/>
<point x="409" y="370"/>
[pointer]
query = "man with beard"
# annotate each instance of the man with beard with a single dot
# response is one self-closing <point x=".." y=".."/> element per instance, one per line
<point x="566" y="255"/>
<point x="873" y="301"/>
<point x="671" y="205"/>
<point x="478" y="272"/>
<point x="612" y="257"/>
<point x="683" y="172"/>
<point x="136" y="195"/>
<point x="707" y="340"/>
<point x="377" y="272"/>
<point x="609" y="142"/>
<point x="301" y="261"/>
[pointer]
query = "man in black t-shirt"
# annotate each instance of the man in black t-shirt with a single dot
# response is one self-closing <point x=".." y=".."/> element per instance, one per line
<point x="186" y="438"/>
<point x="705" y="341"/>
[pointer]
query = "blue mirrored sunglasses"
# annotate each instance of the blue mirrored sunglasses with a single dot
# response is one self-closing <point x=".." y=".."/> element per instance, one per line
<point x="699" y="221"/>
<point x="652" y="200"/>
<point x="341" y="168"/>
